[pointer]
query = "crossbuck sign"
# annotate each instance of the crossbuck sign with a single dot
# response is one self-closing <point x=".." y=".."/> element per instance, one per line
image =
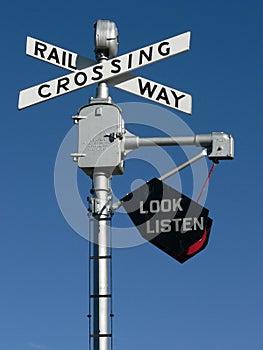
<point x="115" y="71"/>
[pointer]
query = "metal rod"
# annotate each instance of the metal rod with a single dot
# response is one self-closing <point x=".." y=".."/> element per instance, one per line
<point x="115" y="206"/>
<point x="203" y="140"/>
<point x="102" y="91"/>
<point x="184" y="165"/>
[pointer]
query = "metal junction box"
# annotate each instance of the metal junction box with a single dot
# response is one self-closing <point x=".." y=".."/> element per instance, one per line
<point x="101" y="145"/>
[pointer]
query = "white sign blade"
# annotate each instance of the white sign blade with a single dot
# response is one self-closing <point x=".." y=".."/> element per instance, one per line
<point x="104" y="71"/>
<point x="56" y="55"/>
<point x="158" y="93"/>
<point x="127" y="81"/>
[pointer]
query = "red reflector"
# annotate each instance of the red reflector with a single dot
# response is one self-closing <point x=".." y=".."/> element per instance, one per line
<point x="198" y="245"/>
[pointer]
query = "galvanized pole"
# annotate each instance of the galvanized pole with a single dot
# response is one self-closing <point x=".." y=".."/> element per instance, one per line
<point x="106" y="42"/>
<point x="101" y="215"/>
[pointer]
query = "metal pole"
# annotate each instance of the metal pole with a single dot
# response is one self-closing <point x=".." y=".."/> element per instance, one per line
<point x="101" y="214"/>
<point x="106" y="44"/>
<point x="101" y="188"/>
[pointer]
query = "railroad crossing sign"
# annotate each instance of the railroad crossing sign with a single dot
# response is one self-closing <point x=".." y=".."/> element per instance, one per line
<point x="168" y="219"/>
<point x="115" y="71"/>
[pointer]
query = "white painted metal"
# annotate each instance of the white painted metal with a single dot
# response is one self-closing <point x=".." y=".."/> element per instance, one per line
<point x="158" y="93"/>
<point x="128" y="82"/>
<point x="55" y="55"/>
<point x="104" y="71"/>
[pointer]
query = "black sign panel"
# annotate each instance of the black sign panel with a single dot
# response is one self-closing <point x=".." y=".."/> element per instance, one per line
<point x="168" y="219"/>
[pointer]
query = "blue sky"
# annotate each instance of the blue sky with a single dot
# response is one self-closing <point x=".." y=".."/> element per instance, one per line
<point x="214" y="301"/>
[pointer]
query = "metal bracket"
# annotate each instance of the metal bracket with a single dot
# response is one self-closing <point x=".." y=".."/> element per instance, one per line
<point x="219" y="144"/>
<point x="77" y="118"/>
<point x="222" y="146"/>
<point x="97" y="206"/>
<point x="76" y="156"/>
<point x="114" y="135"/>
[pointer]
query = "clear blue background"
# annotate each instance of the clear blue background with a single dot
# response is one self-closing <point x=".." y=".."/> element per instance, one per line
<point x="214" y="301"/>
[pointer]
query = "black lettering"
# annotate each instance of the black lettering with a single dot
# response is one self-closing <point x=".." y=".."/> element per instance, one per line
<point x="70" y="65"/>
<point x="115" y="63"/>
<point x="95" y="70"/>
<point x="130" y="61"/>
<point x="62" y="84"/>
<point x="63" y="61"/>
<point x="144" y="54"/>
<point x="166" y="52"/>
<point x="39" y="49"/>
<point x="163" y="96"/>
<point x="40" y="91"/>
<point x="81" y="81"/>
<point x="176" y="98"/>
<point x="147" y="87"/>
<point x="53" y="55"/>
